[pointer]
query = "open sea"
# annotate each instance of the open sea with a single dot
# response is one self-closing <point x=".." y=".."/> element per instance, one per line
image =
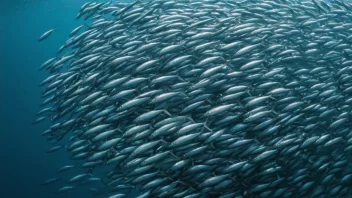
<point x="230" y="99"/>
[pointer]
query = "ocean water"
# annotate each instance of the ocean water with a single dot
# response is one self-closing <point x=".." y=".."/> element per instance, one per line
<point x="24" y="162"/>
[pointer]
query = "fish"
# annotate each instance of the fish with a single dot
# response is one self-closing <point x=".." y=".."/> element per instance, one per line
<point x="46" y="35"/>
<point x="65" y="189"/>
<point x="203" y="98"/>
<point x="65" y="168"/>
<point x="51" y="181"/>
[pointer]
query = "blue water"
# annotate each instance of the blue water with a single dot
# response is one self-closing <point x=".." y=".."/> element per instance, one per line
<point x="24" y="162"/>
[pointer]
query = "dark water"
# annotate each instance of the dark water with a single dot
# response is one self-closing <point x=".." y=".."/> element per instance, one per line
<point x="24" y="162"/>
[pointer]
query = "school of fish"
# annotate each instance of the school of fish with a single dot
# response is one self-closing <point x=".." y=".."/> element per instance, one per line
<point x="205" y="98"/>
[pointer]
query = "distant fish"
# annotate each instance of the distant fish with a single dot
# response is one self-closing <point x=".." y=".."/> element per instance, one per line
<point x="46" y="35"/>
<point x="65" y="168"/>
<point x="65" y="189"/>
<point x="53" y="149"/>
<point x="38" y="120"/>
<point x="76" y="30"/>
<point x="50" y="181"/>
<point x="117" y="196"/>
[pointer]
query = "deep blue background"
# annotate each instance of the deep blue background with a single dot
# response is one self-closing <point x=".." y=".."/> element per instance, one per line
<point x="24" y="163"/>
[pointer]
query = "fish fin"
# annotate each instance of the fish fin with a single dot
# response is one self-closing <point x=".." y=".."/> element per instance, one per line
<point x="209" y="101"/>
<point x="190" y="118"/>
<point x="346" y="54"/>
<point x="174" y="155"/>
<point x="205" y="125"/>
<point x="249" y="93"/>
<point x="118" y="129"/>
<point x="167" y="112"/>
<point x="163" y="141"/>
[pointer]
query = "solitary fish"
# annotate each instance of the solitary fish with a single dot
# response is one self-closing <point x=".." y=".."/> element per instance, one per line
<point x="46" y="35"/>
